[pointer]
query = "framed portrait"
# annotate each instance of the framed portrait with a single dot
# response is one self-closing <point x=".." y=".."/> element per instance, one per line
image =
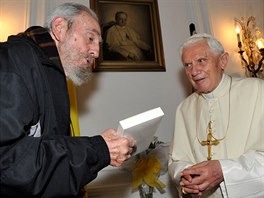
<point x="131" y="36"/>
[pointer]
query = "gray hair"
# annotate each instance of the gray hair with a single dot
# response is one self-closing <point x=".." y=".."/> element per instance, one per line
<point x="212" y="42"/>
<point x="68" y="11"/>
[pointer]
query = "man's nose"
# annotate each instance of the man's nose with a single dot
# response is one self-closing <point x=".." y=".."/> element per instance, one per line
<point x="94" y="50"/>
<point x="194" y="69"/>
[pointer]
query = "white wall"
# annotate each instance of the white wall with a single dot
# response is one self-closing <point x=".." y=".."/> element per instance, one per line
<point x="112" y="96"/>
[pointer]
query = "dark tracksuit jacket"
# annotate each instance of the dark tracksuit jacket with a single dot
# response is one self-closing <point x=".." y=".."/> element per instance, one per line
<point x="37" y="156"/>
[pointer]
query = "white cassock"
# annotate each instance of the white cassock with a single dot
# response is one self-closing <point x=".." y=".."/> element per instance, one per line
<point x="241" y="152"/>
<point x="125" y="40"/>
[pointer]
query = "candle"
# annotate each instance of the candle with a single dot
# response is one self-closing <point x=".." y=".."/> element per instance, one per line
<point x="238" y="35"/>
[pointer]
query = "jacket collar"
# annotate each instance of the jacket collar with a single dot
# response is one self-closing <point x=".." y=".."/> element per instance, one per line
<point x="43" y="39"/>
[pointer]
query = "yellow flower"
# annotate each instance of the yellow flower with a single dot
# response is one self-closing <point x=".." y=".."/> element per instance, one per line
<point x="146" y="170"/>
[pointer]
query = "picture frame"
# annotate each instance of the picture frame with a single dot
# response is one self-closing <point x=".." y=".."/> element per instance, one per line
<point x="142" y="28"/>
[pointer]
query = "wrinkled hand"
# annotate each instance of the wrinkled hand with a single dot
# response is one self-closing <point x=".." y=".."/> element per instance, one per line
<point x="201" y="177"/>
<point x="120" y="148"/>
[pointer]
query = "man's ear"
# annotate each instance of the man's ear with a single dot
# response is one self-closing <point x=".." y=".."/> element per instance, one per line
<point x="58" y="28"/>
<point x="224" y="60"/>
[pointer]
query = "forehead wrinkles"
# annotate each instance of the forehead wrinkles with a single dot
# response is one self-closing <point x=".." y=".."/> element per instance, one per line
<point x="89" y="23"/>
<point x="194" y="54"/>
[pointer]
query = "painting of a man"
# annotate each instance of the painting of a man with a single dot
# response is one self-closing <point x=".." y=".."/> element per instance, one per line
<point x="124" y="43"/>
<point x="131" y="36"/>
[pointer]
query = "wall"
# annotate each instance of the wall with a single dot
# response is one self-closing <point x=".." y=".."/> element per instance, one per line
<point x="221" y="20"/>
<point x="112" y="96"/>
<point x="12" y="19"/>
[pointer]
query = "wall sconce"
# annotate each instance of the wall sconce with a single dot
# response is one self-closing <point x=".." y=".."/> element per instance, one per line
<point x="251" y="46"/>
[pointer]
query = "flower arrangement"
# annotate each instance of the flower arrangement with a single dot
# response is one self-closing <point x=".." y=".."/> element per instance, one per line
<point x="147" y="166"/>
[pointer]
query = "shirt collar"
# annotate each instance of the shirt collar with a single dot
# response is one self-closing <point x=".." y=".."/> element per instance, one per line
<point x="221" y="89"/>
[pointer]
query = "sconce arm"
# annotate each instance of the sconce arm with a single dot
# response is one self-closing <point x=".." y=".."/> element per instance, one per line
<point x="260" y="64"/>
<point x="242" y="57"/>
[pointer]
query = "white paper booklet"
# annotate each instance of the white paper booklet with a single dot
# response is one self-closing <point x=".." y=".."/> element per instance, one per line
<point x="142" y="127"/>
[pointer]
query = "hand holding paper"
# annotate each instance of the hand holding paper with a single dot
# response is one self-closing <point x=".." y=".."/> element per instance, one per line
<point x="120" y="148"/>
<point x="141" y="127"/>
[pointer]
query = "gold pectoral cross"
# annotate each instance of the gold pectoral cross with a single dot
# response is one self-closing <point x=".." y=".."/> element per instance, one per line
<point x="210" y="141"/>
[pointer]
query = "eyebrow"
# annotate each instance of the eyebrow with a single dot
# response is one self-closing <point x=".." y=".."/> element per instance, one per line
<point x="96" y="32"/>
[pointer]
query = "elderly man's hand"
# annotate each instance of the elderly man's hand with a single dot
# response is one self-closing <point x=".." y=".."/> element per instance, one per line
<point x="120" y="148"/>
<point x="201" y="177"/>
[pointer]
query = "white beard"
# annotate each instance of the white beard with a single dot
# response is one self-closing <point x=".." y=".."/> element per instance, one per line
<point x="78" y="75"/>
